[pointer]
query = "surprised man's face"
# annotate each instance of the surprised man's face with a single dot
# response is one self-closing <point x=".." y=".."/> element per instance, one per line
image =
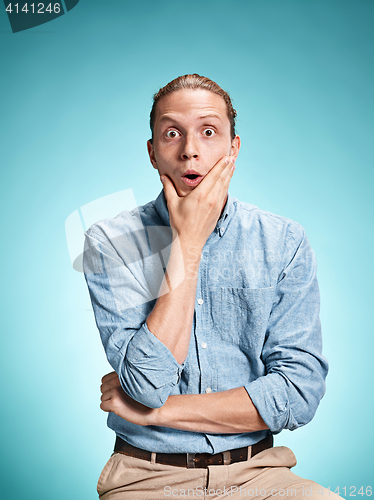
<point x="191" y="133"/>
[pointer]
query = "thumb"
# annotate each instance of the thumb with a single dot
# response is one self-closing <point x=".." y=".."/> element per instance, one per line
<point x="169" y="188"/>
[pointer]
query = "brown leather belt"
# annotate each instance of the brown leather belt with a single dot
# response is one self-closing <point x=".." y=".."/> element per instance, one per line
<point x="195" y="460"/>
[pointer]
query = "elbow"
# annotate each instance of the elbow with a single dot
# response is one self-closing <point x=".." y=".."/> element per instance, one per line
<point x="286" y="404"/>
<point x="149" y="389"/>
<point x="150" y="398"/>
<point x="303" y="405"/>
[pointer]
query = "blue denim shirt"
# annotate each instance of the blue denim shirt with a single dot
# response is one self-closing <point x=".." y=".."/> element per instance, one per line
<point x="256" y="322"/>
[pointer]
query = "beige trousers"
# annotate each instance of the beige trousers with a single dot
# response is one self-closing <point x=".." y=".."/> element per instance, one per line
<point x="266" y="475"/>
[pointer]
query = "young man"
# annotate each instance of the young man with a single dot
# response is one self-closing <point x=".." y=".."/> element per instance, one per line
<point x="208" y="309"/>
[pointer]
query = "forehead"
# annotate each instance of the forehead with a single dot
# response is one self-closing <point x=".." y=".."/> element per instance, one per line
<point x="190" y="104"/>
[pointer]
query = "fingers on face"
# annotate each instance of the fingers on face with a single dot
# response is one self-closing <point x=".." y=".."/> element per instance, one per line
<point x="224" y="167"/>
<point x="228" y="175"/>
<point x="217" y="173"/>
<point x="222" y="183"/>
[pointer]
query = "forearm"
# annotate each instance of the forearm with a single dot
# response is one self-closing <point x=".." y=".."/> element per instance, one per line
<point x="193" y="217"/>
<point x="226" y="412"/>
<point x="171" y="318"/>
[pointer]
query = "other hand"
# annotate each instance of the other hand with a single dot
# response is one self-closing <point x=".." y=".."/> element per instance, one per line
<point x="114" y="399"/>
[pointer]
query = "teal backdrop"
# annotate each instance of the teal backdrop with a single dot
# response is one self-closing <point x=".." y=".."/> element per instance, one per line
<point x="74" y="105"/>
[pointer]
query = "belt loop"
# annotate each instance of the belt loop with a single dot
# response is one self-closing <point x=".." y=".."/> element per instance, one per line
<point x="191" y="461"/>
<point x="153" y="458"/>
<point x="226" y="458"/>
<point x="249" y="452"/>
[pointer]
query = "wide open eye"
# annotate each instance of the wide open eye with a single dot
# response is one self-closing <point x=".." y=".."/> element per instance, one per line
<point x="208" y="132"/>
<point x="172" y="134"/>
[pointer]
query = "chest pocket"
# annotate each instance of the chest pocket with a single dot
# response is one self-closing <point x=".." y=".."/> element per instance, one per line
<point x="240" y="315"/>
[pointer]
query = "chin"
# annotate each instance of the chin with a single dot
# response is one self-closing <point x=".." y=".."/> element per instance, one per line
<point x="182" y="194"/>
<point x="183" y="190"/>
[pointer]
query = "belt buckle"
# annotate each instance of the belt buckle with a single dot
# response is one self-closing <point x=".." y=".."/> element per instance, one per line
<point x="191" y="460"/>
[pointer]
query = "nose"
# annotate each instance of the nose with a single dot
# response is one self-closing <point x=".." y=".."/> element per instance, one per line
<point x="189" y="148"/>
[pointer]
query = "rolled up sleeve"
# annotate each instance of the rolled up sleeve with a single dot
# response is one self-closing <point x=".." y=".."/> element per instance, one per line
<point x="288" y="395"/>
<point x="146" y="368"/>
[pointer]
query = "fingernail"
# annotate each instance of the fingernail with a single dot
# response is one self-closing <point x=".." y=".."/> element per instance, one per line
<point x="227" y="160"/>
<point x="162" y="178"/>
<point x="233" y="167"/>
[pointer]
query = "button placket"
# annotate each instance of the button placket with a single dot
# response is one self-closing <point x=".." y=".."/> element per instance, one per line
<point x="201" y="312"/>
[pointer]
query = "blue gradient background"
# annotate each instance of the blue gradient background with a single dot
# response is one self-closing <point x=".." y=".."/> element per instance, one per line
<point x="75" y="99"/>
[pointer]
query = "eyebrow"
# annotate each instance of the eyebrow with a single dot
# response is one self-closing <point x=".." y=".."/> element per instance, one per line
<point x="170" y="118"/>
<point x="210" y="116"/>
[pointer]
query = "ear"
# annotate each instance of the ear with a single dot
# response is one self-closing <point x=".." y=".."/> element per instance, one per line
<point x="235" y="147"/>
<point x="151" y="153"/>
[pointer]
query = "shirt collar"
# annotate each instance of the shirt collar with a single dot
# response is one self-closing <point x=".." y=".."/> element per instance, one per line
<point x="162" y="211"/>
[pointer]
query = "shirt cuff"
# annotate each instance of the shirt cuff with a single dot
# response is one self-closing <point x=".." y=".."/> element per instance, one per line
<point x="269" y="395"/>
<point x="149" y="371"/>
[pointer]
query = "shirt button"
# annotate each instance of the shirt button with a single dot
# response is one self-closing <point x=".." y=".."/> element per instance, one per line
<point x="208" y="390"/>
<point x="222" y="230"/>
<point x="200" y="301"/>
<point x="203" y="345"/>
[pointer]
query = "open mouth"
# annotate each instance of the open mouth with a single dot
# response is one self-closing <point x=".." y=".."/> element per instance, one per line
<point x="191" y="178"/>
